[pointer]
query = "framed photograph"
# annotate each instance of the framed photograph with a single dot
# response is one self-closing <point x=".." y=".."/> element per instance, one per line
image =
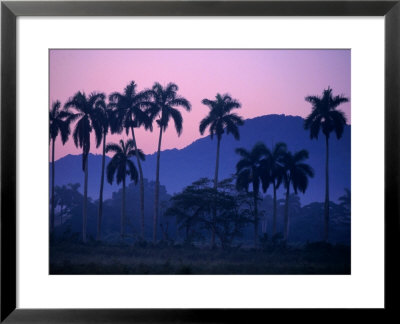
<point x="199" y="160"/>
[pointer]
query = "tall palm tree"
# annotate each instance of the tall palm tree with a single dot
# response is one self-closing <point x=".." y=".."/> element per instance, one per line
<point x="89" y="114"/>
<point x="219" y="120"/>
<point x="121" y="165"/>
<point x="326" y="116"/>
<point x="59" y="125"/>
<point x="108" y="123"/>
<point x="272" y="173"/>
<point x="249" y="170"/>
<point x="130" y="109"/>
<point x="296" y="173"/>
<point x="166" y="101"/>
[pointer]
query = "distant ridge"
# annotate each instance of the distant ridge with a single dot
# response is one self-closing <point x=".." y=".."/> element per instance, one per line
<point x="180" y="167"/>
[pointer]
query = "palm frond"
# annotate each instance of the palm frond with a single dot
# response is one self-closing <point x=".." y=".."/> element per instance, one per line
<point x="306" y="169"/>
<point x="111" y="168"/>
<point x="243" y="152"/>
<point x="243" y="180"/>
<point x="132" y="171"/>
<point x="209" y="103"/>
<point x="279" y="149"/>
<point x="231" y="104"/>
<point x="121" y="171"/>
<point x="115" y="97"/>
<point x="65" y="131"/>
<point x="55" y="107"/>
<point x="338" y="121"/>
<point x="314" y="100"/>
<point x="180" y="101"/>
<point x="242" y="164"/>
<point x="132" y="153"/>
<point x="178" y="120"/>
<point x="258" y="151"/>
<point x="300" y="156"/>
<point x="204" y="123"/>
<point x="231" y="127"/>
<point x="112" y="147"/>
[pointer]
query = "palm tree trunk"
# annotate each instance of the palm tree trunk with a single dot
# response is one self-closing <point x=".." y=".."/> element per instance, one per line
<point x="123" y="216"/>
<point x="84" y="221"/>
<point x="217" y="165"/>
<point x="286" y="219"/>
<point x="274" y="212"/>
<point x="157" y="189"/>
<point x="215" y="188"/>
<point x="52" y="187"/>
<point x="100" y="214"/>
<point x="326" y="206"/>
<point x="141" y="182"/>
<point x="255" y="217"/>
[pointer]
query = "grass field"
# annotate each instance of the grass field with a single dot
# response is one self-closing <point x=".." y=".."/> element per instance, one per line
<point x="94" y="258"/>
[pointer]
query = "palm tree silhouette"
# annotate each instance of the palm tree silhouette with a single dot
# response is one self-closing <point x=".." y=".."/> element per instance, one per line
<point x="130" y="107"/>
<point x="325" y="115"/>
<point x="59" y="124"/>
<point x="272" y="173"/>
<point x="249" y="170"/>
<point x="121" y="165"/>
<point x="219" y="120"/>
<point x="108" y="123"/>
<point x="164" y="106"/>
<point x="296" y="173"/>
<point x="89" y="113"/>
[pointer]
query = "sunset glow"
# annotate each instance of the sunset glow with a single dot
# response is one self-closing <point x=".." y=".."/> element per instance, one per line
<point x="263" y="81"/>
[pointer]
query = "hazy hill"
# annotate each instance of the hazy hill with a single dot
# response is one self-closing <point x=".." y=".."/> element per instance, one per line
<point x="181" y="167"/>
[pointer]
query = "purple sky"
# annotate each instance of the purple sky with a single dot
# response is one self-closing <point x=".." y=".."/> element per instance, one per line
<point x="263" y="81"/>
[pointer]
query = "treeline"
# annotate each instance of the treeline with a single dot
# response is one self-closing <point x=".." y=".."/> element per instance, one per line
<point x="176" y="228"/>
<point x="258" y="168"/>
<point x="199" y="211"/>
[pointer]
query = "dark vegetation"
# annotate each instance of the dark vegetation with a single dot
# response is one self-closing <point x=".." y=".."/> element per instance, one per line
<point x="95" y="258"/>
<point x="231" y="226"/>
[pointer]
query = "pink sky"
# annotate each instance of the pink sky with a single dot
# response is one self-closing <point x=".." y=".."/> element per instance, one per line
<point x="264" y="82"/>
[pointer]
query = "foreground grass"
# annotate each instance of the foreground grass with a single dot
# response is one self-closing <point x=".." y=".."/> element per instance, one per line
<point x="75" y="258"/>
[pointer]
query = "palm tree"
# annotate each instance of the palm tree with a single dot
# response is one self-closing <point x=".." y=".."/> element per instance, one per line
<point x="296" y="173"/>
<point x="89" y="113"/>
<point x="130" y="115"/>
<point x="59" y="124"/>
<point x="272" y="173"/>
<point x="249" y="170"/>
<point x="108" y="124"/>
<point x="219" y="120"/>
<point x="121" y="165"/>
<point x="325" y="115"/>
<point x="166" y="101"/>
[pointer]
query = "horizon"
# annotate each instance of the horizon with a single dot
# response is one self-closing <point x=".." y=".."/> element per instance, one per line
<point x="98" y="153"/>
<point x="265" y="82"/>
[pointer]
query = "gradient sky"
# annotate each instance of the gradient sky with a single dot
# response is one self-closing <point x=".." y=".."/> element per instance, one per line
<point x="263" y="81"/>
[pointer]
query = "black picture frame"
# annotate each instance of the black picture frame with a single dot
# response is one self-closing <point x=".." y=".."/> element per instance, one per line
<point x="10" y="10"/>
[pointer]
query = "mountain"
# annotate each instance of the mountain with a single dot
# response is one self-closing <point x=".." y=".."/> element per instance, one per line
<point x="181" y="167"/>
